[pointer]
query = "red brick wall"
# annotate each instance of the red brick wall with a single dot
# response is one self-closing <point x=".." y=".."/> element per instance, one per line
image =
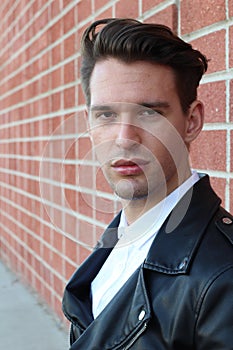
<point x="54" y="202"/>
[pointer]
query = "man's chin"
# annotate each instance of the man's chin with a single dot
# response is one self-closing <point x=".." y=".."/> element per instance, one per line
<point x="131" y="196"/>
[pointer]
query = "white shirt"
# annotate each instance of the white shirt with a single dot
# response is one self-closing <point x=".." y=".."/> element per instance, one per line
<point x="132" y="247"/>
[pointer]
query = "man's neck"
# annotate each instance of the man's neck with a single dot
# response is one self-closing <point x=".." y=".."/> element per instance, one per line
<point x="135" y="208"/>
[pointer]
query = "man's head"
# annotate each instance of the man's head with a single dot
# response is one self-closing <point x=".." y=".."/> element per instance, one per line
<point x="129" y="40"/>
<point x="140" y="83"/>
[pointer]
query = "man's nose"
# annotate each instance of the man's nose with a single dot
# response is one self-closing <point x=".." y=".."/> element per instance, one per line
<point x="128" y="135"/>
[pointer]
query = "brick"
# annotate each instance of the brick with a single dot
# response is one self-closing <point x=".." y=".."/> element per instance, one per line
<point x="231" y="44"/>
<point x="69" y="72"/>
<point x="55" y="7"/>
<point x="219" y="186"/>
<point x="69" y="173"/>
<point x="56" y="102"/>
<point x="148" y="4"/>
<point x="44" y="85"/>
<point x="56" y="31"/>
<point x="231" y="100"/>
<point x="231" y="196"/>
<point x="83" y="254"/>
<point x="68" y="21"/>
<point x="57" y="263"/>
<point x="231" y="150"/>
<point x="213" y="95"/>
<point x="85" y="204"/>
<point x="85" y="234"/>
<point x="57" y="196"/>
<point x="48" y="236"/>
<point x="47" y="257"/>
<point x="69" y="269"/>
<point x="69" y="97"/>
<point x="71" y="223"/>
<point x="70" y="146"/>
<point x="41" y="21"/>
<point x="126" y="9"/>
<point x="230" y="7"/>
<point x="100" y="181"/>
<point x="69" y="196"/>
<point x="70" y="127"/>
<point x="84" y="10"/>
<point x="208" y="152"/>
<point x="84" y="176"/>
<point x="56" y="217"/>
<point x="198" y="14"/>
<point x="99" y="3"/>
<point x="167" y="17"/>
<point x="55" y="126"/>
<point x="56" y="54"/>
<point x="45" y="274"/>
<point x="70" y="249"/>
<point x="213" y="47"/>
<point x="66" y="3"/>
<point x="81" y="98"/>
<point x="36" y="7"/>
<point x="56" y="78"/>
<point x="44" y="105"/>
<point x="58" y="241"/>
<point x="69" y="46"/>
<point x="108" y="13"/>
<point x="84" y="148"/>
<point x="104" y="210"/>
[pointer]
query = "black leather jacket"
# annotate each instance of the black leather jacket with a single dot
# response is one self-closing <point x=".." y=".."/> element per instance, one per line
<point x="180" y="298"/>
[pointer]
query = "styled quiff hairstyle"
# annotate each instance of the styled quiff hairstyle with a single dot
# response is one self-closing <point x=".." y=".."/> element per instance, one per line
<point x="129" y="40"/>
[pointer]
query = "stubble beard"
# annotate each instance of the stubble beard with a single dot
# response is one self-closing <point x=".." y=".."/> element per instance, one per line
<point x="130" y="189"/>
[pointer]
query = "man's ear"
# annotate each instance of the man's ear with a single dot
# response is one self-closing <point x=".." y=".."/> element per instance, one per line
<point x="86" y="115"/>
<point x="195" y="120"/>
<point x="87" y="119"/>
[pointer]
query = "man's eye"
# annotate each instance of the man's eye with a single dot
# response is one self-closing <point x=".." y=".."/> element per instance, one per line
<point x="149" y="113"/>
<point x="106" y="115"/>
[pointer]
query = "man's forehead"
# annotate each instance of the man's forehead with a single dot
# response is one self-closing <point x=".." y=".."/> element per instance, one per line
<point x="138" y="82"/>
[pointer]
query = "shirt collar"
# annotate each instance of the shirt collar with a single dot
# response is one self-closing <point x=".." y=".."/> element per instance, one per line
<point x="152" y="220"/>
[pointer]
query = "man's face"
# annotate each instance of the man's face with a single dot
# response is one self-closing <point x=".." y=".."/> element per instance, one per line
<point x="138" y="128"/>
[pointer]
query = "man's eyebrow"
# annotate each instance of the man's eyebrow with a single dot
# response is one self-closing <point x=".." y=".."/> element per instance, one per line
<point x="100" y="108"/>
<point x="155" y="104"/>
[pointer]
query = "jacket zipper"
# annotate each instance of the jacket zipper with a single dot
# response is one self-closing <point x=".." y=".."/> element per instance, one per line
<point x="133" y="340"/>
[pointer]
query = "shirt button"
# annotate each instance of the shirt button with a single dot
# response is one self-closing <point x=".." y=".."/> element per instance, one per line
<point x="141" y="315"/>
<point x="227" y="221"/>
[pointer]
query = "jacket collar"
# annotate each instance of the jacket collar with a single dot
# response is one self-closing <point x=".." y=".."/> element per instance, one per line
<point x="176" y="243"/>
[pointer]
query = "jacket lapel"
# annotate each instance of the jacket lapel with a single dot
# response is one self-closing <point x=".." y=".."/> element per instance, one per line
<point x="77" y="301"/>
<point x="123" y="318"/>
<point x="173" y="248"/>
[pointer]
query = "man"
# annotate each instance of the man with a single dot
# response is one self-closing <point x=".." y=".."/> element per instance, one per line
<point x="161" y="276"/>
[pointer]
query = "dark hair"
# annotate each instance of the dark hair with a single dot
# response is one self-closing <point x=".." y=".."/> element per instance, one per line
<point x="130" y="40"/>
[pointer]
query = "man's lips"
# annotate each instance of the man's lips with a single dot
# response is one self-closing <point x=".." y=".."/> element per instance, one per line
<point x="129" y="166"/>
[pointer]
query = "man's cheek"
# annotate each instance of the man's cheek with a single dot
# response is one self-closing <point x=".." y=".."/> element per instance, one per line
<point x="102" y="150"/>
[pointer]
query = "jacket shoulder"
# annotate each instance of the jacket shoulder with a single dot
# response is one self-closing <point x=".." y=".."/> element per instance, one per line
<point x="224" y="223"/>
